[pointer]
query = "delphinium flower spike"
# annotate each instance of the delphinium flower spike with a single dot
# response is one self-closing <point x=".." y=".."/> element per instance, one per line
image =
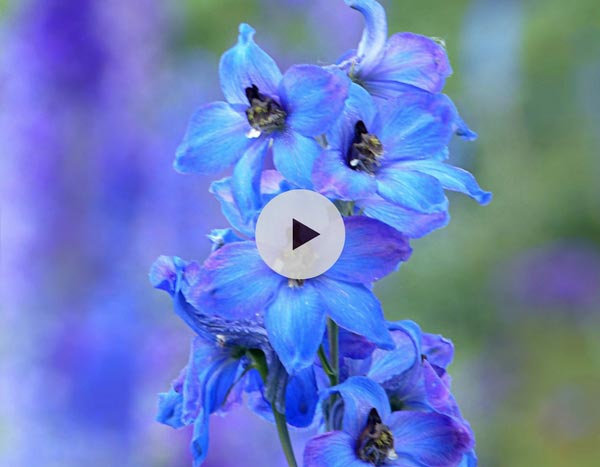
<point x="371" y="133"/>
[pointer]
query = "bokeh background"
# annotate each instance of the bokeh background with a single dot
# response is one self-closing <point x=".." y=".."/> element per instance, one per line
<point x="94" y="96"/>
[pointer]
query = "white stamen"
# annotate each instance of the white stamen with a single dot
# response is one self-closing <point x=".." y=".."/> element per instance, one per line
<point x="354" y="162"/>
<point x="253" y="133"/>
<point x="391" y="455"/>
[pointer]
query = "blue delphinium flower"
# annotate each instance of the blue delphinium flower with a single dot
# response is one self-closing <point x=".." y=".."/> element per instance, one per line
<point x="413" y="374"/>
<point x="400" y="63"/>
<point x="262" y="107"/>
<point x="295" y="310"/>
<point x="226" y="359"/>
<point x="372" y="434"/>
<point x="389" y="160"/>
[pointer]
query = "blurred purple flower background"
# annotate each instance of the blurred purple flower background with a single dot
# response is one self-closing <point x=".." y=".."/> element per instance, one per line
<point x="92" y="111"/>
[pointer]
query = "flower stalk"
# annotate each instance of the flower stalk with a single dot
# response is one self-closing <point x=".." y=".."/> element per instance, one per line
<point x="260" y="363"/>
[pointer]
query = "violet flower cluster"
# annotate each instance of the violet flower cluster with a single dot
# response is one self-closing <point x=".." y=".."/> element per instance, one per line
<point x="371" y="133"/>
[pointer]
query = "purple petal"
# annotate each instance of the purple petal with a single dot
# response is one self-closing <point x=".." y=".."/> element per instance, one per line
<point x="355" y="308"/>
<point x="163" y="274"/>
<point x="295" y="321"/>
<point x="438" y="349"/>
<point x="353" y="345"/>
<point x="334" y="449"/>
<point x="294" y="156"/>
<point x="215" y="139"/>
<point x="246" y="64"/>
<point x="428" y="439"/>
<point x="223" y="286"/>
<point x="414" y="60"/>
<point x="313" y="98"/>
<point x="372" y="250"/>
<point x="372" y="44"/>
<point x="437" y="393"/>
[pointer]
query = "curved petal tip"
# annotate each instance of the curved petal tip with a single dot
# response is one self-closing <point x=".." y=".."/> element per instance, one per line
<point x="246" y="33"/>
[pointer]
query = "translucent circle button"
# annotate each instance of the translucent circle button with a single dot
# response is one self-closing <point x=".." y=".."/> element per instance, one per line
<point x="300" y="234"/>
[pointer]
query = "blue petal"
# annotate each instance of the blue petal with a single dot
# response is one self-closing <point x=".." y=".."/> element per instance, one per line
<point x="313" y="98"/>
<point x="334" y="449"/>
<point x="221" y="237"/>
<point x="358" y="106"/>
<point x="360" y="395"/>
<point x="222" y="190"/>
<point x="469" y="460"/>
<point x="355" y="308"/>
<point x="215" y="139"/>
<point x="224" y="287"/>
<point x="272" y="184"/>
<point x="412" y="190"/>
<point x="295" y="322"/>
<point x="410" y="59"/>
<point x="200" y="439"/>
<point x="371" y="251"/>
<point x="245" y="182"/>
<point x="294" y="156"/>
<point x="210" y="374"/>
<point x="244" y="65"/>
<point x="462" y="130"/>
<point x="428" y="439"/>
<point x="410" y="223"/>
<point x="451" y="178"/>
<point x="397" y="370"/>
<point x="257" y="401"/>
<point x="372" y="44"/>
<point x="418" y="125"/>
<point x="301" y="398"/>
<point x="333" y="178"/>
<point x="170" y="408"/>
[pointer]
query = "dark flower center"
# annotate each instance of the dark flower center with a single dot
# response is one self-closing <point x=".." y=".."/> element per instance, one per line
<point x="264" y="114"/>
<point x="294" y="283"/>
<point x="365" y="151"/>
<point x="375" y="444"/>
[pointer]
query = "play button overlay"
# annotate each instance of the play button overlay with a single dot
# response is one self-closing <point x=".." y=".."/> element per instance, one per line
<point x="300" y="234"/>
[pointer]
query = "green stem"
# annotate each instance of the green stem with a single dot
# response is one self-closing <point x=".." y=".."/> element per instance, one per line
<point x="284" y="437"/>
<point x="326" y="365"/>
<point x="260" y="363"/>
<point x="333" y="333"/>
